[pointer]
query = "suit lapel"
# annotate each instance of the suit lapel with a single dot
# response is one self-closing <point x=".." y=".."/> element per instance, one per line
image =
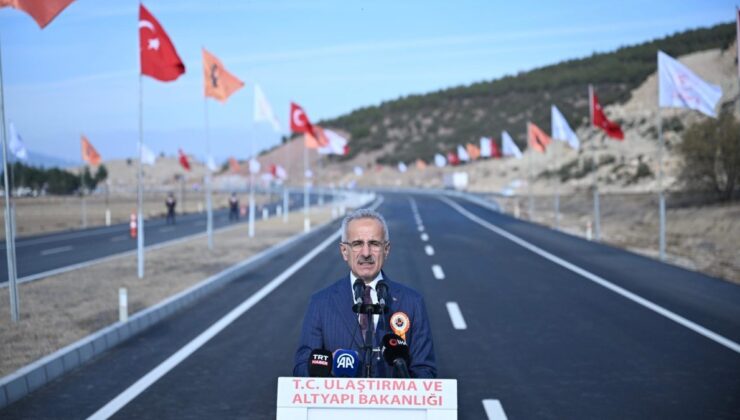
<point x="343" y="299"/>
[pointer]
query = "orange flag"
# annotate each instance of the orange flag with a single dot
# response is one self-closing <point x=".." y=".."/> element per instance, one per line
<point x="316" y="142"/>
<point x="473" y="151"/>
<point x="537" y="138"/>
<point x="219" y="83"/>
<point x="42" y="11"/>
<point x="89" y="154"/>
<point x="233" y="165"/>
<point x="420" y="164"/>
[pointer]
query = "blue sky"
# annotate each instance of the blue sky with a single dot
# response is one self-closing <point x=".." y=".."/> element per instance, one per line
<point x="80" y="74"/>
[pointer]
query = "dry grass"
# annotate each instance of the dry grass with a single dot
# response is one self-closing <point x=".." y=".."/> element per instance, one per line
<point x="62" y="309"/>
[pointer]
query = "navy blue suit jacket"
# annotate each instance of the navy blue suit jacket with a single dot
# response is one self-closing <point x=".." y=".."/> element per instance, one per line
<point x="330" y="324"/>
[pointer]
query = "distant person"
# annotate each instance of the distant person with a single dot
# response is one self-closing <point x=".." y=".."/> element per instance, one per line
<point x="171" y="203"/>
<point x="233" y="207"/>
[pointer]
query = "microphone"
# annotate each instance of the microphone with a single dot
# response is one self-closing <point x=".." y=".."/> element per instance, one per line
<point x="319" y="363"/>
<point x="358" y="287"/>
<point x="382" y="290"/>
<point x="346" y="363"/>
<point x="396" y="354"/>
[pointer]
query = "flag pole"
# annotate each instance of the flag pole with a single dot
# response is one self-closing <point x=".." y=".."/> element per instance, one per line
<point x="209" y="207"/>
<point x="286" y="202"/>
<point x="661" y="193"/>
<point x="306" y="219"/>
<point x="597" y="210"/>
<point x="557" y="186"/>
<point x="9" y="215"/>
<point x="140" y="188"/>
<point x="252" y="204"/>
<point x="529" y="184"/>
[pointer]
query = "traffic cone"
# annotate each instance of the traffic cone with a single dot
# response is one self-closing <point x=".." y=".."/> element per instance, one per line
<point x="132" y="225"/>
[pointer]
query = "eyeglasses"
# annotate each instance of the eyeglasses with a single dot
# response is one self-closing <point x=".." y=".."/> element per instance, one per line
<point x="357" y="246"/>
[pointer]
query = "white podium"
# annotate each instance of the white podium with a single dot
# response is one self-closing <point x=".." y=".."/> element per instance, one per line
<point x="366" y="398"/>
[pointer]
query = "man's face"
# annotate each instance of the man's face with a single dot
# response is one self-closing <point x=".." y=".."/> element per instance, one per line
<point x="365" y="260"/>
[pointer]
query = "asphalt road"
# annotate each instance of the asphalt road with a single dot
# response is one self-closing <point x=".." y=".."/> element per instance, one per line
<point x="44" y="253"/>
<point x="555" y="327"/>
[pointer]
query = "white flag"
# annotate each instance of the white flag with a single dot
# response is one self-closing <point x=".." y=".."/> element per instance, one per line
<point x="263" y="110"/>
<point x="402" y="167"/>
<point x="485" y="147"/>
<point x="561" y="130"/>
<point x="508" y="146"/>
<point x="280" y="172"/>
<point x="16" y="145"/>
<point x="147" y="156"/>
<point x="462" y="154"/>
<point x="440" y="161"/>
<point x="679" y="87"/>
<point x="254" y="166"/>
<point x="210" y="163"/>
<point x="358" y="171"/>
<point x="337" y="144"/>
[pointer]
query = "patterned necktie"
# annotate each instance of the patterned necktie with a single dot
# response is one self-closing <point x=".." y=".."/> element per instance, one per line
<point x="366" y="300"/>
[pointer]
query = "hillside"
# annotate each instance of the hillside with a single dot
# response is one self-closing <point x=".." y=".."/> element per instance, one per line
<point x="419" y="126"/>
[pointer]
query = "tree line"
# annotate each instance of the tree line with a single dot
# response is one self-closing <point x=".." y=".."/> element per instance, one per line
<point x="55" y="180"/>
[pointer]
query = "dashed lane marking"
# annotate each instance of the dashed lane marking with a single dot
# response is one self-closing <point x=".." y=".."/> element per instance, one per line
<point x="494" y="410"/>
<point x="56" y="250"/>
<point x="429" y="250"/>
<point x="438" y="273"/>
<point x="458" y="322"/>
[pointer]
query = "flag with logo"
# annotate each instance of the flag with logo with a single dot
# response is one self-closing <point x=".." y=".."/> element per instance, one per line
<point x="336" y="144"/>
<point x="254" y="166"/>
<point x="183" y="159"/>
<point x="15" y="144"/>
<point x="219" y="83"/>
<point x="679" y="87"/>
<point x="234" y="165"/>
<point x="462" y="154"/>
<point x="157" y="54"/>
<point x="439" y="160"/>
<point x="147" y="155"/>
<point x="89" y="154"/>
<point x="536" y="138"/>
<point x="263" y="110"/>
<point x="42" y="11"/>
<point x="485" y="147"/>
<point x="316" y="138"/>
<point x="561" y="130"/>
<point x="473" y="151"/>
<point x="509" y="148"/>
<point x="611" y="129"/>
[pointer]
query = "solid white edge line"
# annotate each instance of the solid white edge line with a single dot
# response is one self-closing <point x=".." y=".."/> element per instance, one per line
<point x="438" y="273"/>
<point x="600" y="281"/>
<point x="494" y="410"/>
<point x="429" y="250"/>
<point x="458" y="322"/>
<point x="57" y="250"/>
<point x="113" y="406"/>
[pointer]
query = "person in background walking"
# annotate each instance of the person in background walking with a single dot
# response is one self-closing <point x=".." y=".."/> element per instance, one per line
<point x="171" y="203"/>
<point x="233" y="207"/>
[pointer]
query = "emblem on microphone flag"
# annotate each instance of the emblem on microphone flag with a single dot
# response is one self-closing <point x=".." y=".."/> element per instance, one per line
<point x="400" y="324"/>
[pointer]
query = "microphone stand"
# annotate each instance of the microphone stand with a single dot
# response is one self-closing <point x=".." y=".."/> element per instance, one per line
<point x="369" y="310"/>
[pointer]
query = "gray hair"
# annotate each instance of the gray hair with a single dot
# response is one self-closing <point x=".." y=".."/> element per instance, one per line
<point x="364" y="214"/>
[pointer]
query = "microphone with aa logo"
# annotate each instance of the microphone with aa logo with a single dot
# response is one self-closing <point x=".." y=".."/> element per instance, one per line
<point x="396" y="354"/>
<point x="319" y="363"/>
<point x="346" y="363"/>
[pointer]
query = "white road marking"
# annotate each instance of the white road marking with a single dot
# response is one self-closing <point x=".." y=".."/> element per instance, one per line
<point x="421" y="228"/>
<point x="494" y="410"/>
<point x="599" y="280"/>
<point x="458" y="322"/>
<point x="57" y="250"/>
<point x="438" y="273"/>
<point x="147" y="380"/>
<point x="424" y="237"/>
<point x="119" y="238"/>
<point x="429" y="250"/>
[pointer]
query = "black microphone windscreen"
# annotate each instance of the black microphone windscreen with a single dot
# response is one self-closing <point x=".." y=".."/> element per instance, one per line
<point x="358" y="287"/>
<point x="319" y="363"/>
<point x="382" y="290"/>
<point x="395" y="347"/>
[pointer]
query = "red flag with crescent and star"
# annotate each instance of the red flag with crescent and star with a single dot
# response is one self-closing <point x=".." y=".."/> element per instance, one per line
<point x="299" y="122"/>
<point x="611" y="129"/>
<point x="159" y="59"/>
<point x="183" y="158"/>
<point x="42" y="11"/>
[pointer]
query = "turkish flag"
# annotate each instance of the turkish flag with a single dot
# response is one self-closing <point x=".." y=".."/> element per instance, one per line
<point x="42" y="11"/>
<point x="612" y="129"/>
<point x="219" y="83"/>
<point x="452" y="159"/>
<point x="299" y="122"/>
<point x="537" y="138"/>
<point x="495" y="150"/>
<point x="159" y="58"/>
<point x="183" y="160"/>
<point x="89" y="154"/>
<point x="316" y="139"/>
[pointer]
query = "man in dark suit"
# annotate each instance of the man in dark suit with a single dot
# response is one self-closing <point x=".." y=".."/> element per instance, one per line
<point x="331" y="324"/>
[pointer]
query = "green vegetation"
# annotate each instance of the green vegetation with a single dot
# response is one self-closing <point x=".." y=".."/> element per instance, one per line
<point x="711" y="155"/>
<point x="420" y="125"/>
<point x="54" y="180"/>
